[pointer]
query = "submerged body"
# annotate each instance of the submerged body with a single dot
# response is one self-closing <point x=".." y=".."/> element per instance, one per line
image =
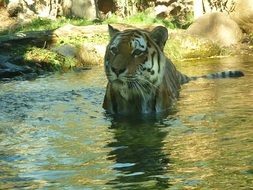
<point x="141" y="79"/>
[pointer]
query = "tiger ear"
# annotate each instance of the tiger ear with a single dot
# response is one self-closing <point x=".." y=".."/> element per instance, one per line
<point x="112" y="31"/>
<point x="160" y="35"/>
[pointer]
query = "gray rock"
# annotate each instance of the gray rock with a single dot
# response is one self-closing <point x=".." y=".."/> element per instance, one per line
<point x="66" y="50"/>
<point x="10" y="70"/>
<point x="217" y="27"/>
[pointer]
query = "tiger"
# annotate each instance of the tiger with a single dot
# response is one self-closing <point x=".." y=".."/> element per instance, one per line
<point x="141" y="78"/>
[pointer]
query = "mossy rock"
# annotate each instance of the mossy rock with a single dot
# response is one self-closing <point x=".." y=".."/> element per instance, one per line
<point x="184" y="46"/>
<point x="45" y="58"/>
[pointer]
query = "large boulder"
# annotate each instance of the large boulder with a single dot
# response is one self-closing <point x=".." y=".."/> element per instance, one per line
<point x="181" y="45"/>
<point x="90" y="54"/>
<point x="66" y="50"/>
<point x="243" y="14"/>
<point x="217" y="27"/>
<point x="84" y="9"/>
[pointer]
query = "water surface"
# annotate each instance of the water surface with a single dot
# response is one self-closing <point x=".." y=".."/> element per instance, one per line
<point x="55" y="135"/>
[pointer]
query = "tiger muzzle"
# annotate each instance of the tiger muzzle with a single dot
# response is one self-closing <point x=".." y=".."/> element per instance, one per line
<point x="118" y="71"/>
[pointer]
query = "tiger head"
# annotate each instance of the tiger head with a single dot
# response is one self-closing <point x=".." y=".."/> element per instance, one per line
<point x="134" y="58"/>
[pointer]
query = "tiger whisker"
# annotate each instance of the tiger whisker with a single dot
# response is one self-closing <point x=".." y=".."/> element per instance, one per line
<point x="148" y="82"/>
<point x="139" y="90"/>
<point x="133" y="82"/>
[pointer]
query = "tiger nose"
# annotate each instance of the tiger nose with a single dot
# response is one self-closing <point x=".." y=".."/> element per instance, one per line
<point x="118" y="71"/>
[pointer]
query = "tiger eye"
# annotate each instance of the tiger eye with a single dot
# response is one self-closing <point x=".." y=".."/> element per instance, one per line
<point x="114" y="50"/>
<point x="137" y="52"/>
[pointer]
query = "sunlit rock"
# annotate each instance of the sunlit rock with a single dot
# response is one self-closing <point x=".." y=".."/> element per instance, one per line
<point x="14" y="8"/>
<point x="182" y="45"/>
<point x="84" y="9"/>
<point x="91" y="54"/>
<point x="66" y="50"/>
<point x="243" y="15"/>
<point x="217" y="27"/>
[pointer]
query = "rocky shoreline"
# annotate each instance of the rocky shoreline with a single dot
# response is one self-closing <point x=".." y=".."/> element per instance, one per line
<point x="92" y="41"/>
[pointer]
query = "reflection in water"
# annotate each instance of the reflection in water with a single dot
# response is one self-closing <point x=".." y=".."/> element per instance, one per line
<point x="10" y="173"/>
<point x="137" y="150"/>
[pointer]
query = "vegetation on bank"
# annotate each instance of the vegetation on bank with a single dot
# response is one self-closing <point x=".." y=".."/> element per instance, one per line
<point x="42" y="55"/>
<point x="178" y="46"/>
<point x="143" y="18"/>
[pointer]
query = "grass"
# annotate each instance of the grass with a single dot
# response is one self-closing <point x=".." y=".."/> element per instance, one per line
<point x="147" y="19"/>
<point x="42" y="56"/>
<point x="78" y="40"/>
<point x="39" y="24"/>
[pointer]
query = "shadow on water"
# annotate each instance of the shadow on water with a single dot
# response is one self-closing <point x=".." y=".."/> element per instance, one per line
<point x="137" y="151"/>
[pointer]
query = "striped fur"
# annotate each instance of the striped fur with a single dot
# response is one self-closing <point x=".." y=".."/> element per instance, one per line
<point x="219" y="75"/>
<point x="141" y="79"/>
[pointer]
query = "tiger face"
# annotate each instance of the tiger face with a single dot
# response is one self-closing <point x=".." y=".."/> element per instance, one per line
<point x="133" y="60"/>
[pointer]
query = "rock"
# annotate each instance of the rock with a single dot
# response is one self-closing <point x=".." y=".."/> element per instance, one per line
<point x="217" y="27"/>
<point x="181" y="45"/>
<point x="88" y="31"/>
<point x="14" y="7"/>
<point x="161" y="11"/>
<point x="243" y="15"/>
<point x="91" y="54"/>
<point x="167" y="8"/>
<point x="25" y="9"/>
<point x="66" y="50"/>
<point x="35" y="38"/>
<point x="4" y="58"/>
<point x="84" y="9"/>
<point x="9" y="70"/>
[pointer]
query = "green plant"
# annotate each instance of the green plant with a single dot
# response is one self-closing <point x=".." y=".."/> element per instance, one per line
<point x="44" y="56"/>
<point x="112" y="19"/>
<point x="39" y="24"/>
<point x="147" y="18"/>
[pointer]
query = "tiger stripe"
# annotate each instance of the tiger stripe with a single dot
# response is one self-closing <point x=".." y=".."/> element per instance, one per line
<point x="223" y="74"/>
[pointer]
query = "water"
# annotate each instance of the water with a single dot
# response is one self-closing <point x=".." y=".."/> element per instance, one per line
<point x="55" y="135"/>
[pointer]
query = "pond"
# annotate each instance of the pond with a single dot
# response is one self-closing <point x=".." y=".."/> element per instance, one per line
<point x="54" y="134"/>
